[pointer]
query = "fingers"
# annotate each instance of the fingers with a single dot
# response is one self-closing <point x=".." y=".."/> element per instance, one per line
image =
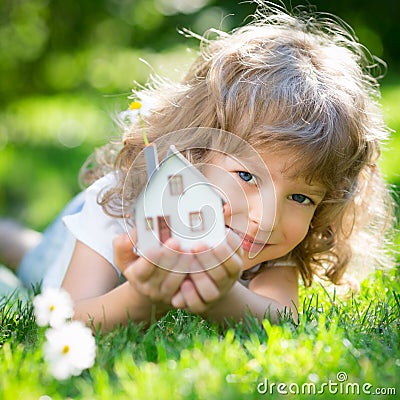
<point x="178" y="301"/>
<point x="206" y="257"/>
<point x="226" y="255"/>
<point x="153" y="273"/>
<point x="161" y="274"/>
<point x="211" y="263"/>
<point x="170" y="284"/>
<point x="233" y="266"/>
<point x="161" y="260"/>
<point x="231" y="261"/>
<point x="191" y="298"/>
<point x="123" y="251"/>
<point x="234" y="241"/>
<point x="205" y="286"/>
<point x="142" y="269"/>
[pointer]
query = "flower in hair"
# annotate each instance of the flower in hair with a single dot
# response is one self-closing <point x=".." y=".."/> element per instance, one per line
<point x="137" y="108"/>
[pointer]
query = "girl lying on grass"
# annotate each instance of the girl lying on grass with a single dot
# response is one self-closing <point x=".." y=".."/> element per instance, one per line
<point x="298" y="90"/>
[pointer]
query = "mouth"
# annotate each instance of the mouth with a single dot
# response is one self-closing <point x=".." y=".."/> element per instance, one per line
<point x="248" y="243"/>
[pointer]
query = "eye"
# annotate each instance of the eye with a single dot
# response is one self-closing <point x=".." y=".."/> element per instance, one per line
<point x="301" y="199"/>
<point x="247" y="176"/>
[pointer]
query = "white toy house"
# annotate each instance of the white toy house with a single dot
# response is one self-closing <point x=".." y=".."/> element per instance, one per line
<point x="179" y="202"/>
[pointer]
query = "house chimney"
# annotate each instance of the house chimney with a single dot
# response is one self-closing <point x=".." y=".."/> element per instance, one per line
<point x="151" y="157"/>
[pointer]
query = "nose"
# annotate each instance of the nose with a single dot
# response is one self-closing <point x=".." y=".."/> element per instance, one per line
<point x="264" y="219"/>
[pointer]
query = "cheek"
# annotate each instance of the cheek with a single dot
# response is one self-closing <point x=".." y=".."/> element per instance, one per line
<point x="228" y="187"/>
<point x="236" y="214"/>
<point x="234" y="196"/>
<point x="228" y="214"/>
<point x="297" y="229"/>
<point x="235" y="206"/>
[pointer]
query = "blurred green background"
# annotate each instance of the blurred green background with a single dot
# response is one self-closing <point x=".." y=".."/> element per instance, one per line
<point x="67" y="66"/>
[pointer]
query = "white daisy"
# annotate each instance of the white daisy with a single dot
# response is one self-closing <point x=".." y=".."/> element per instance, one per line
<point x="148" y="104"/>
<point x="53" y="307"/>
<point x="142" y="107"/>
<point x="69" y="349"/>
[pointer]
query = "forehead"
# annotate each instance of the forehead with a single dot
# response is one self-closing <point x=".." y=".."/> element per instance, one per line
<point x="287" y="168"/>
<point x="292" y="164"/>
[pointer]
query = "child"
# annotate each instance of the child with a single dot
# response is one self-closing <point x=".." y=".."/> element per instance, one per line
<point x="297" y="90"/>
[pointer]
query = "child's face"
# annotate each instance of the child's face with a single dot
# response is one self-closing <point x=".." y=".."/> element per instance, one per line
<point x="267" y="207"/>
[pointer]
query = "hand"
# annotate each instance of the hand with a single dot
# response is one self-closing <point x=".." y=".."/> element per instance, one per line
<point x="123" y="251"/>
<point x="151" y="275"/>
<point x="221" y="267"/>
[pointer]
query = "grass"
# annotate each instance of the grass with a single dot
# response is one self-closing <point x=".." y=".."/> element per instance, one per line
<point x="183" y="356"/>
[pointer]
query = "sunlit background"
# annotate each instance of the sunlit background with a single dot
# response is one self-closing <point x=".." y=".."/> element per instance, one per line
<point x="67" y="66"/>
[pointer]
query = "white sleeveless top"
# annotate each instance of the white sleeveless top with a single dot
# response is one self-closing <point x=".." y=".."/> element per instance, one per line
<point x="91" y="226"/>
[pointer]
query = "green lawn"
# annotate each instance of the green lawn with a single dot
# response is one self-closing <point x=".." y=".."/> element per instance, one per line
<point x="340" y="346"/>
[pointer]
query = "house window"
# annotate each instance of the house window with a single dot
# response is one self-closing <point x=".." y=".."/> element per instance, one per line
<point x="164" y="228"/>
<point x="149" y="224"/>
<point x="196" y="221"/>
<point x="175" y="184"/>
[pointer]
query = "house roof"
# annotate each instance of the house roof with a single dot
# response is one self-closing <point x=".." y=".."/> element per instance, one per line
<point x="174" y="152"/>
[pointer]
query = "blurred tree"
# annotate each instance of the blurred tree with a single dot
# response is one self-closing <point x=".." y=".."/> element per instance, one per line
<point x="52" y="45"/>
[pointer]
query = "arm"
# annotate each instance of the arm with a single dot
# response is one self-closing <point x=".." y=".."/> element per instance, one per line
<point x="270" y="293"/>
<point x="91" y="281"/>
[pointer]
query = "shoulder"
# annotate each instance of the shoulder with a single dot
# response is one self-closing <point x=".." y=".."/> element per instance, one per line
<point x="106" y="182"/>
<point x="279" y="283"/>
<point x="92" y="225"/>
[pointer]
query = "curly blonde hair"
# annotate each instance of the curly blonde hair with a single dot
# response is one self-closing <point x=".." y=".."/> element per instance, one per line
<point x="284" y="81"/>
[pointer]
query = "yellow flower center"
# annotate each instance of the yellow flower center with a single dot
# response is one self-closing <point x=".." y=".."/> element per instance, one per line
<point x="52" y="307"/>
<point x="65" y="349"/>
<point x="135" y="105"/>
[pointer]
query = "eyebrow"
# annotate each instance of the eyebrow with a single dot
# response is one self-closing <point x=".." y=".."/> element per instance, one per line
<point x="251" y="164"/>
<point x="254" y="166"/>
<point x="317" y="192"/>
